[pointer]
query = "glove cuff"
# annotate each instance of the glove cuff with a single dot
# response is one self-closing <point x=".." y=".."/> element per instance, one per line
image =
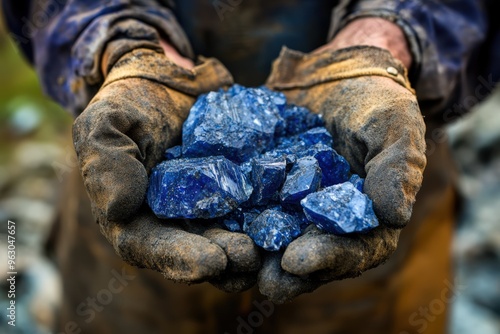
<point x="294" y="69"/>
<point x="153" y="65"/>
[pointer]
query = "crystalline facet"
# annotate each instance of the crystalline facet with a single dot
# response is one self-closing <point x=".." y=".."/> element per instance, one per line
<point x="335" y="167"/>
<point x="303" y="179"/>
<point x="273" y="230"/>
<point x="173" y="152"/>
<point x="197" y="188"/>
<point x="358" y="182"/>
<point x="267" y="177"/>
<point x="238" y="127"/>
<point x="340" y="209"/>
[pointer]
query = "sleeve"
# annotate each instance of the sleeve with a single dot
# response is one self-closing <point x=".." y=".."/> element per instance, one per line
<point x="449" y="43"/>
<point x="65" y="39"/>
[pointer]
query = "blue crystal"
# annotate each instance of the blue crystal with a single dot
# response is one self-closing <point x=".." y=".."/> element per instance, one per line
<point x="233" y="221"/>
<point x="318" y="135"/>
<point x="248" y="218"/>
<point x="267" y="177"/>
<point x="297" y="120"/>
<point x="335" y="167"/>
<point x="273" y="230"/>
<point x="358" y="181"/>
<point x="303" y="179"/>
<point x="173" y="152"/>
<point x="238" y="127"/>
<point x="197" y="188"/>
<point x="340" y="209"/>
<point x="248" y="159"/>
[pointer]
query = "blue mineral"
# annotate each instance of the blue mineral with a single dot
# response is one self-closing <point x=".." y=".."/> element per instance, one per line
<point x="303" y="179"/>
<point x="249" y="216"/>
<point x="238" y="127"/>
<point x="302" y="141"/>
<point x="173" y="152"/>
<point x="273" y="230"/>
<point x="298" y="120"/>
<point x="233" y="221"/>
<point x="197" y="188"/>
<point x="318" y="135"/>
<point x="267" y="177"/>
<point x="358" y="182"/>
<point x="335" y="167"/>
<point x="340" y="209"/>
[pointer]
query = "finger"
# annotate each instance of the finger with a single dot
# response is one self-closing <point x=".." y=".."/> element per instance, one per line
<point x="232" y="283"/>
<point x="396" y="157"/>
<point x="163" y="246"/>
<point x="335" y="257"/>
<point x="242" y="253"/>
<point x="279" y="286"/>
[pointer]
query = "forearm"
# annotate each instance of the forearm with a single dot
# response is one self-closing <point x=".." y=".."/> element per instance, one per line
<point x="373" y="31"/>
<point x="67" y="50"/>
<point x="445" y="40"/>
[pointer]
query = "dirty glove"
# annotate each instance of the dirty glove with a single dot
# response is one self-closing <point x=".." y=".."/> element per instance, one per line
<point x="372" y="113"/>
<point x="121" y="136"/>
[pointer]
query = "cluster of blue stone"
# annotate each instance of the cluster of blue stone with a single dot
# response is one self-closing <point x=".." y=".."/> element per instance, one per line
<point x="259" y="166"/>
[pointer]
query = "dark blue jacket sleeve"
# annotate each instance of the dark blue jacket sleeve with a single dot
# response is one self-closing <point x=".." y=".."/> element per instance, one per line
<point x="65" y="39"/>
<point x="455" y="47"/>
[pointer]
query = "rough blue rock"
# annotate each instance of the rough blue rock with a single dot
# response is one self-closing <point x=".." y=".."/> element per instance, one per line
<point x="315" y="136"/>
<point x="335" y="167"/>
<point x="233" y="221"/>
<point x="197" y="188"/>
<point x="267" y="177"/>
<point x="173" y="152"/>
<point x="303" y="179"/>
<point x="297" y="120"/>
<point x="273" y="230"/>
<point x="248" y="159"/>
<point x="236" y="126"/>
<point x="340" y="209"/>
<point x="358" y="181"/>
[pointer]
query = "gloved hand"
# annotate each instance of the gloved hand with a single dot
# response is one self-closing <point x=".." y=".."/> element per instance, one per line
<point x="372" y="113"/>
<point x="122" y="134"/>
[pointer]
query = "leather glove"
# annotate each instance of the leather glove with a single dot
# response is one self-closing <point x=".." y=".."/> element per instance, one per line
<point x="121" y="135"/>
<point x="372" y="113"/>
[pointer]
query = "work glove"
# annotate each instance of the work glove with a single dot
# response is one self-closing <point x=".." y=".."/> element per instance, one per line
<point x="372" y="113"/>
<point x="121" y="135"/>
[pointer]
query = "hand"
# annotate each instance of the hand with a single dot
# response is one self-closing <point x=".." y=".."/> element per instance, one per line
<point x="371" y="111"/>
<point x="122" y="134"/>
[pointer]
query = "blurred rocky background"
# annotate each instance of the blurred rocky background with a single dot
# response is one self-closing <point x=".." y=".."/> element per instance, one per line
<point x="475" y="141"/>
<point x="36" y="154"/>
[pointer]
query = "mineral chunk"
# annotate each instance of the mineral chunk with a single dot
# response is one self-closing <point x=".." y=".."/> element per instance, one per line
<point x="259" y="166"/>
<point x="236" y="126"/>
<point x="315" y="136"/>
<point x="267" y="177"/>
<point x="173" y="152"/>
<point x="197" y="188"/>
<point x="335" y="167"/>
<point x="340" y="209"/>
<point x="358" y="181"/>
<point x="303" y="179"/>
<point x="273" y="230"/>
<point x="298" y="120"/>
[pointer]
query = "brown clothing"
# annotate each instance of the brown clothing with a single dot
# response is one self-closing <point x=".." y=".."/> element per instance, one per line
<point x="411" y="293"/>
